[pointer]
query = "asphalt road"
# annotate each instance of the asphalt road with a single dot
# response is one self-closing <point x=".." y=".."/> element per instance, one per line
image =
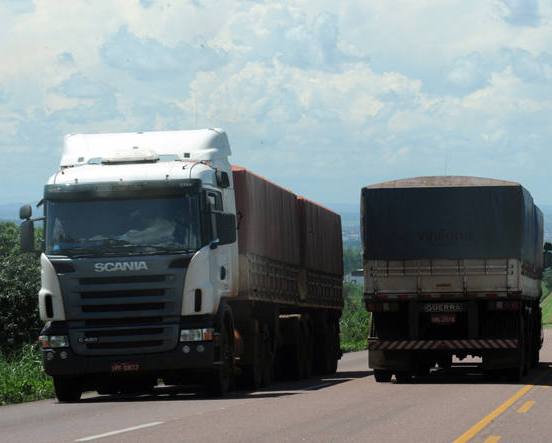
<point x="460" y="405"/>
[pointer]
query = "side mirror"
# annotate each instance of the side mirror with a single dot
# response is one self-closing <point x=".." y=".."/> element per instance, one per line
<point x="547" y="259"/>
<point x="214" y="244"/>
<point x="223" y="181"/>
<point x="25" y="212"/>
<point x="226" y="228"/>
<point x="27" y="236"/>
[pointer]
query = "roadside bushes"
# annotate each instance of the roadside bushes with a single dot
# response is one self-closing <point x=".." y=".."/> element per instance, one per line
<point x="22" y="378"/>
<point x="19" y="285"/>
<point x="355" y="320"/>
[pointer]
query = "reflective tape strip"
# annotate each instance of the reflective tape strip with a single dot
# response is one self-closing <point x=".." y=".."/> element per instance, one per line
<point x="397" y="345"/>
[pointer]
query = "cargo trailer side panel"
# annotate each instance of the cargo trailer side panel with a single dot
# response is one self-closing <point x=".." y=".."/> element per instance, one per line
<point x="268" y="218"/>
<point x="321" y="242"/>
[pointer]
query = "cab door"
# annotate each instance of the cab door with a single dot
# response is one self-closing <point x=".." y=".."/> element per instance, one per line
<point x="221" y="275"/>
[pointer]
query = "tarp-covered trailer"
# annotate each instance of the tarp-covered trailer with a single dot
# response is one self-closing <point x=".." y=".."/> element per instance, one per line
<point x="452" y="267"/>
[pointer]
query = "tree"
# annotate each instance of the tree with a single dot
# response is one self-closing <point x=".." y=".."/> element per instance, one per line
<point x="19" y="285"/>
<point x="352" y="259"/>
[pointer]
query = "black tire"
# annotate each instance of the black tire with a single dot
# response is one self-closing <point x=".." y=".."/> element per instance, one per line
<point x="515" y="374"/>
<point x="403" y="377"/>
<point x="333" y="355"/>
<point x="382" y="375"/>
<point x="306" y="350"/>
<point x="68" y="390"/>
<point x="251" y="376"/>
<point x="220" y="381"/>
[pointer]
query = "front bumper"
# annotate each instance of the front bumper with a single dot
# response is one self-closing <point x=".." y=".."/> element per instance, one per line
<point x="65" y="362"/>
<point x="193" y="356"/>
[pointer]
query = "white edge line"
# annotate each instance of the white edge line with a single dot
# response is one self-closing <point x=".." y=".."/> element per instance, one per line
<point x="120" y="431"/>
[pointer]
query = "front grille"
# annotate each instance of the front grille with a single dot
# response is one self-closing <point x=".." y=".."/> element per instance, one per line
<point x="125" y="293"/>
<point x="142" y="321"/>
<point x="123" y="314"/>
<point x="125" y="279"/>
<point x="126" y="307"/>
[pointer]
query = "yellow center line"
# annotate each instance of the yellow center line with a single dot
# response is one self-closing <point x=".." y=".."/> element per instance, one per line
<point x="492" y="439"/>
<point x="524" y="408"/>
<point x="487" y="420"/>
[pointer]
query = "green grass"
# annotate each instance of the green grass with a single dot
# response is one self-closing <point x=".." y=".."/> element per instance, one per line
<point x="22" y="378"/>
<point x="546" y="306"/>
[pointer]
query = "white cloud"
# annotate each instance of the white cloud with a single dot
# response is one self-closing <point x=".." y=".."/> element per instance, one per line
<point x="323" y="96"/>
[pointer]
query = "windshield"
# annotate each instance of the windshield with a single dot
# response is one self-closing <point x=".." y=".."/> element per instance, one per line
<point x="123" y="226"/>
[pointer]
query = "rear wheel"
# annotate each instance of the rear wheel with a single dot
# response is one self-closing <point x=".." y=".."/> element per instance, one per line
<point x="68" y="389"/>
<point x="382" y="376"/>
<point x="516" y="373"/>
<point x="403" y="377"/>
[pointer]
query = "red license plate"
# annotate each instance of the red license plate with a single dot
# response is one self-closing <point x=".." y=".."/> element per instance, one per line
<point x="125" y="367"/>
<point x="443" y="319"/>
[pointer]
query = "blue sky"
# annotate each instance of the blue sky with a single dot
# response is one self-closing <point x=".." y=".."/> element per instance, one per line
<point x="322" y="96"/>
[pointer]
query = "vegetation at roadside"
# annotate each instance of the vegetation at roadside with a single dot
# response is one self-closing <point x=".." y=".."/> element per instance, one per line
<point x="19" y="285"/>
<point x="22" y="378"/>
<point x="352" y="259"/>
<point x="21" y="375"/>
<point x="355" y="320"/>
<point x="546" y="306"/>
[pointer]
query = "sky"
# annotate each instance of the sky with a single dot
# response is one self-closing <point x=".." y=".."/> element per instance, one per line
<point x="321" y="96"/>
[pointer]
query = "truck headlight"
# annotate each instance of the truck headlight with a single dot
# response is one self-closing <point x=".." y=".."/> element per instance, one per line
<point x="53" y="341"/>
<point x="206" y="334"/>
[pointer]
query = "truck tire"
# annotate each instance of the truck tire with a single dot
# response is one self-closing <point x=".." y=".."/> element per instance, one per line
<point x="326" y="349"/>
<point x="333" y="356"/>
<point x="516" y="373"/>
<point x="251" y="376"/>
<point x="219" y="382"/>
<point x="382" y="375"/>
<point x="68" y="389"/>
<point x="403" y="377"/>
<point x="307" y="350"/>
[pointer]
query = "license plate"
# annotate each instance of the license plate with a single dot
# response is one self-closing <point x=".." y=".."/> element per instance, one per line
<point x="125" y="367"/>
<point x="443" y="319"/>
<point x="444" y="307"/>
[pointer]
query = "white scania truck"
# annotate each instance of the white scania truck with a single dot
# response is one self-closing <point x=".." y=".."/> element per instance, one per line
<point x="161" y="261"/>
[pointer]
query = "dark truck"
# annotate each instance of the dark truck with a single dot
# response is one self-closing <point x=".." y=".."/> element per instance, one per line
<point x="452" y="267"/>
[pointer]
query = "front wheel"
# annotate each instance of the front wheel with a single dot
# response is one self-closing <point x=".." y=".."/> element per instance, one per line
<point x="220" y="381"/>
<point x="68" y="390"/>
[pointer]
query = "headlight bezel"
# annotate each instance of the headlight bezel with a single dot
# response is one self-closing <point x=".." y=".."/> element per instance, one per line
<point x="196" y="335"/>
<point x="53" y="341"/>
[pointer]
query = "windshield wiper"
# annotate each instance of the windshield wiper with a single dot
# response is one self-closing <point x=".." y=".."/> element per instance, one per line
<point x="79" y="252"/>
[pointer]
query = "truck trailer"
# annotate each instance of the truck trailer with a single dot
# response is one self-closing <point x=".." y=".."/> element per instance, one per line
<point x="162" y="261"/>
<point x="452" y="267"/>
